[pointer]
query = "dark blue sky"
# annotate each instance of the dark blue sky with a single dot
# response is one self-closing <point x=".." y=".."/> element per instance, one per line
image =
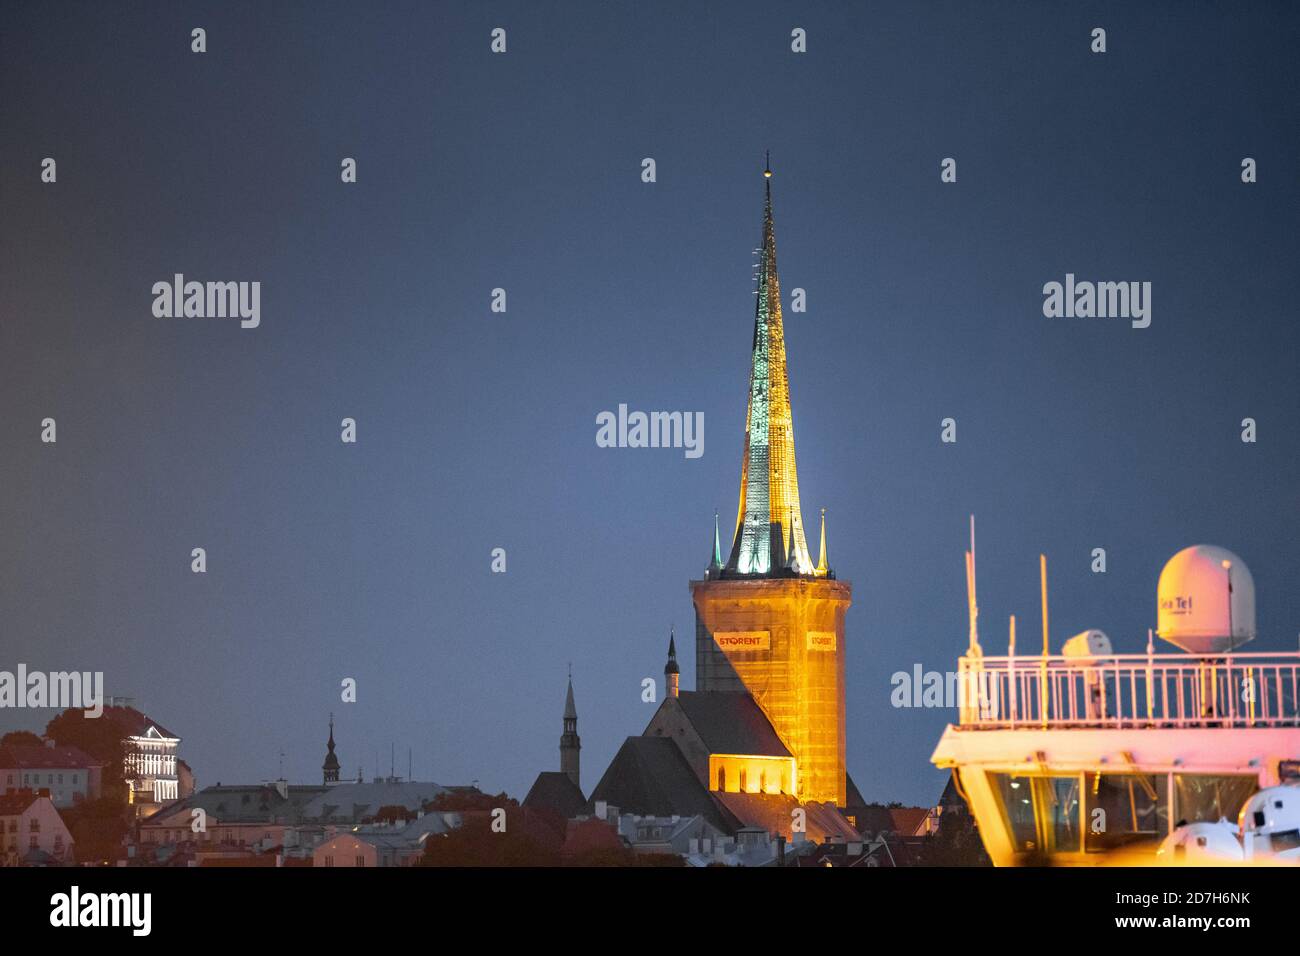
<point x="478" y="430"/>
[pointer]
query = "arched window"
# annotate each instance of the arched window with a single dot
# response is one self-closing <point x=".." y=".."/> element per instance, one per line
<point x="722" y="779"/>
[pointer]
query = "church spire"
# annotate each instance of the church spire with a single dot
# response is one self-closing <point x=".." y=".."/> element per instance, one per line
<point x="715" y="561"/>
<point x="330" y="768"/>
<point x="769" y="538"/>
<point x="570" y="742"/>
<point x="672" y="673"/>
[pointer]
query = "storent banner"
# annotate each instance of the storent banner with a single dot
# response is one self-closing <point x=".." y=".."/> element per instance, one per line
<point x="821" y="640"/>
<point x="743" y="640"/>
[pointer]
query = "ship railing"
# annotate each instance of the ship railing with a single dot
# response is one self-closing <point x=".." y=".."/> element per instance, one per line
<point x="1130" y="690"/>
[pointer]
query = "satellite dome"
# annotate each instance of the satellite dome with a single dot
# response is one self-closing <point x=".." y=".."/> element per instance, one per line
<point x="1199" y="844"/>
<point x="1205" y="601"/>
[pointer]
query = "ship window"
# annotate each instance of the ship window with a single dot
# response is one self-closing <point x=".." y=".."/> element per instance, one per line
<point x="1124" y="809"/>
<point x="1042" y="813"/>
<point x="1200" y="797"/>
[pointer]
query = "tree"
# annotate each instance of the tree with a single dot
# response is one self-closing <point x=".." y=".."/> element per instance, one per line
<point x="21" y="738"/>
<point x="97" y="826"/>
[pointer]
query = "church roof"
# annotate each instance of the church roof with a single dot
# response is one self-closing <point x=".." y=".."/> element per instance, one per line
<point x="773" y="813"/>
<point x="731" y="723"/>
<point x="553" y="790"/>
<point x="650" y="776"/>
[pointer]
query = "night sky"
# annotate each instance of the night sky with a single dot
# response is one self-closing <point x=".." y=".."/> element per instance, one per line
<point x="477" y="430"/>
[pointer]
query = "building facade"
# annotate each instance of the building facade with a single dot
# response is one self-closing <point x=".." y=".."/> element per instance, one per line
<point x="69" y="775"/>
<point x="31" y="831"/>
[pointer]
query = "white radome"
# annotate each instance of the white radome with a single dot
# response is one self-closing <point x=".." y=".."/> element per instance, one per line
<point x="1199" y="843"/>
<point x="1205" y="601"/>
<point x="1270" y="823"/>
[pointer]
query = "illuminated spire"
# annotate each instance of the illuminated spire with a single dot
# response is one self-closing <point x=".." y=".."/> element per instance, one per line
<point x="821" y="559"/>
<point x="769" y="538"/>
<point x="715" y="563"/>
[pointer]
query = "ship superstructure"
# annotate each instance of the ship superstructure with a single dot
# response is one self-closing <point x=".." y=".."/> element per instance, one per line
<point x="1091" y="757"/>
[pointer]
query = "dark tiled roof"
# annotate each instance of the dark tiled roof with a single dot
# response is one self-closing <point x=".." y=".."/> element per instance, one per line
<point x="950" y="797"/>
<point x="32" y="757"/>
<point x="773" y="813"/>
<point x="852" y="796"/>
<point x="907" y="820"/>
<point x="555" y="791"/>
<point x="13" y="804"/>
<point x="872" y="819"/>
<point x="135" y="723"/>
<point x="649" y="776"/>
<point x="730" y="723"/>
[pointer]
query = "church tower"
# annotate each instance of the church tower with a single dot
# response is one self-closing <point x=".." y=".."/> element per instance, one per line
<point x="768" y="621"/>
<point x="331" y="766"/>
<point x="570" y="742"/>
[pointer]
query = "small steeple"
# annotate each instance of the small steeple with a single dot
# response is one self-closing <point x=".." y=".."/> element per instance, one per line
<point x="570" y="742"/>
<point x="821" y="560"/>
<point x="330" y="768"/>
<point x="715" y="562"/>
<point x="672" y="673"/>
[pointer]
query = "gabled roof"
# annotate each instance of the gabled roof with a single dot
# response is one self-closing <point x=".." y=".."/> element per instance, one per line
<point x="553" y="790"/>
<point x="32" y="757"/>
<point x="950" y="796"/>
<point x="731" y="723"/>
<point x="907" y="820"/>
<point x="16" y="803"/>
<point x="773" y="813"/>
<point x="649" y="776"/>
<point x="135" y="724"/>
<point x="852" y="796"/>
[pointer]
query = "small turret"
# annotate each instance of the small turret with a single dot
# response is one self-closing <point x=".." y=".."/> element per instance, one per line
<point x="330" y="768"/>
<point x="570" y="742"/>
<point x="672" y="673"/>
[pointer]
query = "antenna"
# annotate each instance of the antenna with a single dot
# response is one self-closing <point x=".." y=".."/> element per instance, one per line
<point x="972" y="605"/>
<point x="1042" y="574"/>
<point x="1042" y="677"/>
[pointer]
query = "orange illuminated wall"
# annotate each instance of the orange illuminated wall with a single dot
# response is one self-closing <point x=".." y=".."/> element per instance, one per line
<point x="741" y="773"/>
<point x="782" y="640"/>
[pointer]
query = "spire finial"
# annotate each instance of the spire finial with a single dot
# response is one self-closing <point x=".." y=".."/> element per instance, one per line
<point x="821" y="559"/>
<point x="767" y="164"/>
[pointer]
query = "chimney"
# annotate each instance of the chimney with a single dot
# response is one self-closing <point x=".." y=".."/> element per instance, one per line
<point x="780" y="849"/>
<point x="601" y="807"/>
